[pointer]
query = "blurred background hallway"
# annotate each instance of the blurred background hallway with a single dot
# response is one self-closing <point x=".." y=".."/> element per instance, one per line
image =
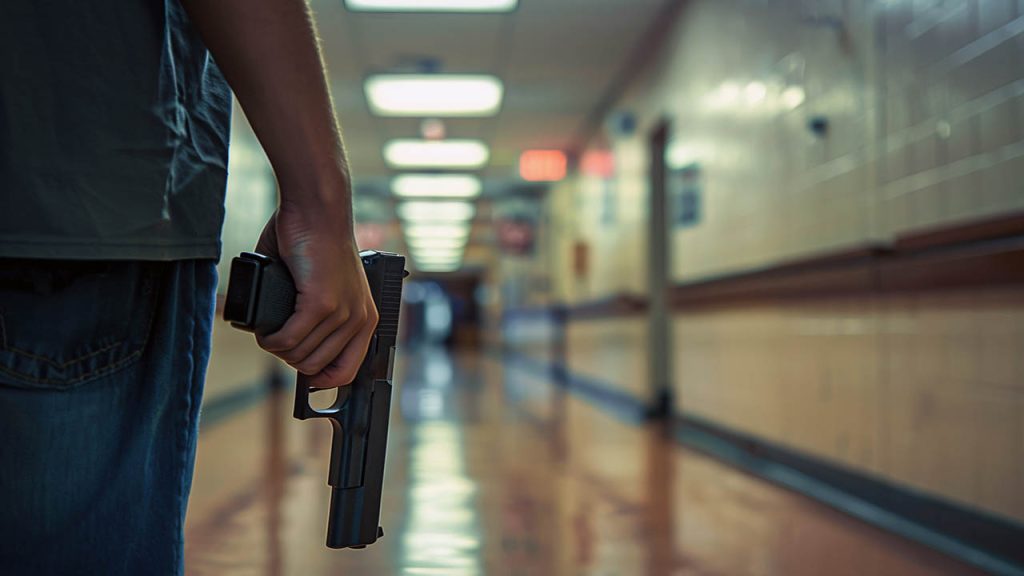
<point x="492" y="469"/>
<point x="715" y="287"/>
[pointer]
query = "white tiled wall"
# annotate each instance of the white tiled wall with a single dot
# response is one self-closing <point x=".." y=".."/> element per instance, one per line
<point x="924" y="390"/>
<point x="925" y="106"/>
<point x="611" y="351"/>
<point x="951" y="106"/>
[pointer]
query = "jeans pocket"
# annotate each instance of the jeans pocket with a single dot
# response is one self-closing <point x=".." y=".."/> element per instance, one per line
<point x="66" y="323"/>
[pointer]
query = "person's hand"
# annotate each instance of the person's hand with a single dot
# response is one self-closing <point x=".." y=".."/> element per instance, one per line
<point x="330" y="331"/>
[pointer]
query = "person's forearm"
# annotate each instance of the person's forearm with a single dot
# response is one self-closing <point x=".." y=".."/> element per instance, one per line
<point x="268" y="51"/>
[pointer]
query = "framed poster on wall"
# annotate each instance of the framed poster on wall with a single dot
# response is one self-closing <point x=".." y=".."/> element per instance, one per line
<point x="685" y="187"/>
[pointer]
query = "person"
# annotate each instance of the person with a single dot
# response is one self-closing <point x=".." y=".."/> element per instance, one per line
<point x="114" y="127"/>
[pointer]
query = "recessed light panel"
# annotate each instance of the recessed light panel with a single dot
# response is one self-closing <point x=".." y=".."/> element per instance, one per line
<point x="437" y="253"/>
<point x="437" y="258"/>
<point x="435" y="243"/>
<point x="441" y="95"/>
<point x="431" y="5"/>
<point x="450" y="154"/>
<point x="436" y="186"/>
<point x="458" y="230"/>
<point x="426" y="211"/>
<point x="438" y="267"/>
<point x="447" y="257"/>
<point x="454" y="259"/>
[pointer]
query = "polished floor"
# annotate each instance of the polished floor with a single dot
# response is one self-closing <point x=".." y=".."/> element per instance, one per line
<point x="491" y="470"/>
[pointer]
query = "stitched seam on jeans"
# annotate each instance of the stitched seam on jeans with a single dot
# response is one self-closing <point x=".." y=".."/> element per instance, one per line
<point x="147" y="289"/>
<point x="186" y="399"/>
<point x="58" y="364"/>
<point x="90" y="374"/>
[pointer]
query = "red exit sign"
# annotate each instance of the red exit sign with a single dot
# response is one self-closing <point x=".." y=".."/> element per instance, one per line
<point x="542" y="165"/>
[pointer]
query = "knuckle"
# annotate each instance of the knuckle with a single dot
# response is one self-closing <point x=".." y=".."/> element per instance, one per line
<point x="272" y="346"/>
<point x="342" y="370"/>
<point x="309" y="368"/>
<point x="358" y="315"/>
<point x="342" y="315"/>
<point x="322" y="304"/>
<point x="289" y="341"/>
<point x="304" y="369"/>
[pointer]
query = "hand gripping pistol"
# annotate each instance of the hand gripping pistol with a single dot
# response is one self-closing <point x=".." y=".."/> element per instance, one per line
<point x="261" y="296"/>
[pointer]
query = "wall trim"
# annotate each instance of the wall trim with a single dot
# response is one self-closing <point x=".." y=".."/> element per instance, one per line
<point x="618" y="306"/>
<point x="976" y="254"/>
<point x="980" y="253"/>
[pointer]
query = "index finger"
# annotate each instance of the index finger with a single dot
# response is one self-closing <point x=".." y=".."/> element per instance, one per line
<point x="299" y="325"/>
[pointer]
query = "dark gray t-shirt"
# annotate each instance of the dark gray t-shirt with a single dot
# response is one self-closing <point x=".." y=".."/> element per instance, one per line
<point x="114" y="125"/>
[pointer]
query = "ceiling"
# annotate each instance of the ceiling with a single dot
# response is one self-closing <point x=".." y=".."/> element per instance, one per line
<point x="558" y="60"/>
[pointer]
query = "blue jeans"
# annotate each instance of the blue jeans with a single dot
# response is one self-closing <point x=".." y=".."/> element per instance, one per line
<point x="101" y="374"/>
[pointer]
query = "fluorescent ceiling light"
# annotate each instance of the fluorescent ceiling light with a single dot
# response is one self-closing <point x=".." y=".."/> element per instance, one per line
<point x="441" y="257"/>
<point x="409" y="153"/>
<point x="436" y="185"/>
<point x="438" y="264"/>
<point x="453" y="259"/>
<point x="431" y="5"/>
<point x="424" y="211"/>
<point x="450" y="231"/>
<point x="447" y="267"/>
<point x="435" y="243"/>
<point x="437" y="253"/>
<point x="434" y="94"/>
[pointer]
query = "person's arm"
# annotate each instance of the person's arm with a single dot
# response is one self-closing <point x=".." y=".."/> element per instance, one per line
<point x="268" y="51"/>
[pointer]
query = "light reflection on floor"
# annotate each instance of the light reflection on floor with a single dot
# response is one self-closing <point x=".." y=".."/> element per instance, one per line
<point x="441" y="534"/>
<point x="493" y="471"/>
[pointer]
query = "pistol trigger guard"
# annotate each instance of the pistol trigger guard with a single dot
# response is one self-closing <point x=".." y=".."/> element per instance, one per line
<point x="304" y="410"/>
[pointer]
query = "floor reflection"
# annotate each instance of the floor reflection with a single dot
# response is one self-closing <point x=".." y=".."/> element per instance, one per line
<point x="442" y="532"/>
<point x="492" y="470"/>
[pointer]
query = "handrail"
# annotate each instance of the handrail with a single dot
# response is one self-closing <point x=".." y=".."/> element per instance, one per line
<point x="975" y="254"/>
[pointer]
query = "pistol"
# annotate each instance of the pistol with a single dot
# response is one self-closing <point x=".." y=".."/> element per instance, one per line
<point x="260" y="298"/>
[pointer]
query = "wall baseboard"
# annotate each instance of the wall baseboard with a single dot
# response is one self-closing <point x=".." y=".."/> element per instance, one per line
<point x="973" y="536"/>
